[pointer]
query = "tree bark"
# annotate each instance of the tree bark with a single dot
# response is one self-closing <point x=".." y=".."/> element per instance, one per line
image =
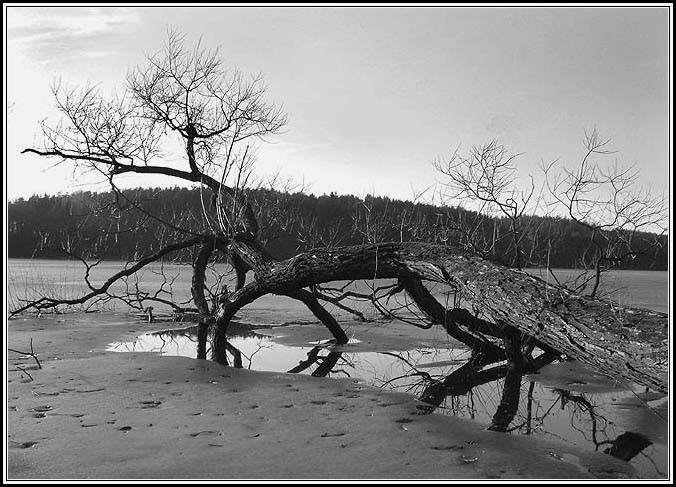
<point x="623" y="343"/>
<point x="246" y="253"/>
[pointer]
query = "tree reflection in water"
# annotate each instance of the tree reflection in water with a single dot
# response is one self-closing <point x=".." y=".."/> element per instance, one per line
<point x="479" y="386"/>
<point x="326" y="363"/>
<point x="447" y="393"/>
<point x="204" y="344"/>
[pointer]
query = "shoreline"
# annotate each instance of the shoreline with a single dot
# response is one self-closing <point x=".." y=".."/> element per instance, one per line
<point x="189" y="263"/>
<point x="92" y="414"/>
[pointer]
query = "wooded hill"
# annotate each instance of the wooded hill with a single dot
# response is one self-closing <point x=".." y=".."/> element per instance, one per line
<point x="93" y="226"/>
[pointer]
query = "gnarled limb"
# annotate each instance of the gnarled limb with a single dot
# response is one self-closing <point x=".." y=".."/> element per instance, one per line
<point x="198" y="296"/>
<point x="240" y="269"/>
<point x="430" y="306"/>
<point x="47" y="303"/>
<point x="327" y="319"/>
<point x="246" y="253"/>
<point x="198" y="277"/>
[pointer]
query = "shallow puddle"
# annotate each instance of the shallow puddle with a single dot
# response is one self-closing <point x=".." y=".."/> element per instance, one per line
<point x="564" y="401"/>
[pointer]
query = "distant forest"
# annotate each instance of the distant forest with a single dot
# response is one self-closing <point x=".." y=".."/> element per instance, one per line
<point x="105" y="226"/>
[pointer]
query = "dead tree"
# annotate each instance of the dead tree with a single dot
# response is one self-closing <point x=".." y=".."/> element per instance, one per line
<point x="621" y="342"/>
<point x="609" y="205"/>
<point x="217" y="115"/>
<point x="486" y="177"/>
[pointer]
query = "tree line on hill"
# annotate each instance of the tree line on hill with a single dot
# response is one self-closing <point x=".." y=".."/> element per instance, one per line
<point x="100" y="226"/>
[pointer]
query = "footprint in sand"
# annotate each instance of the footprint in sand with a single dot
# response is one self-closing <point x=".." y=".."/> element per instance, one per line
<point x="42" y="409"/>
<point x="149" y="404"/>
<point x="467" y="459"/>
<point x="25" y="444"/>
<point x="448" y="447"/>
<point x="206" y="433"/>
<point x="38" y="393"/>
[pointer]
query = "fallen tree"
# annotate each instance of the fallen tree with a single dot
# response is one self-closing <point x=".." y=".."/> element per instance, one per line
<point x="623" y="343"/>
<point x="500" y="313"/>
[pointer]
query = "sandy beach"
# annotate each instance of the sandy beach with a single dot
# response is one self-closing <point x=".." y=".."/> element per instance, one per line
<point x="92" y="414"/>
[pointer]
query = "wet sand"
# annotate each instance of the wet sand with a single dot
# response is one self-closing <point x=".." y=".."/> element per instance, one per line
<point x="92" y="414"/>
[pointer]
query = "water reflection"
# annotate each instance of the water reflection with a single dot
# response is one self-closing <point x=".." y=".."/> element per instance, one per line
<point x="625" y="447"/>
<point x="449" y="381"/>
<point x="325" y="364"/>
<point x="584" y="414"/>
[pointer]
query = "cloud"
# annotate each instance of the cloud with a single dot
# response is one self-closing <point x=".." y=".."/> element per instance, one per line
<point x="57" y="34"/>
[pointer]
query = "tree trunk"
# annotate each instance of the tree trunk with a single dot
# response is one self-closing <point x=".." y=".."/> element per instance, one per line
<point x="623" y="343"/>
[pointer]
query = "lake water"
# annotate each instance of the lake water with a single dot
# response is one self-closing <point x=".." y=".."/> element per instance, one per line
<point x="641" y="289"/>
<point x="576" y="406"/>
<point x="27" y="279"/>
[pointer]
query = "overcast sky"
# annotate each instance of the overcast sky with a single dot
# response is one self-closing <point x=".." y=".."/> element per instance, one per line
<point x="374" y="95"/>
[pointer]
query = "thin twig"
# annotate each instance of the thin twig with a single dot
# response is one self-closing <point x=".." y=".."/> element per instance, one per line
<point x="31" y="353"/>
<point x="25" y="372"/>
